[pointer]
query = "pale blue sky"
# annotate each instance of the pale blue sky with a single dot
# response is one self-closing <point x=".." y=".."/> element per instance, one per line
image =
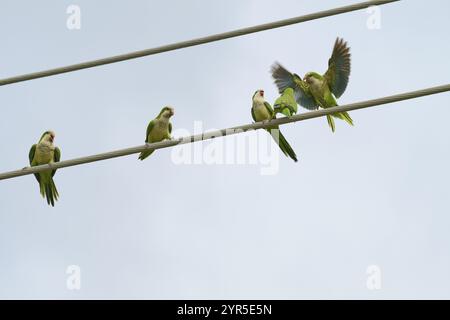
<point x="376" y="193"/>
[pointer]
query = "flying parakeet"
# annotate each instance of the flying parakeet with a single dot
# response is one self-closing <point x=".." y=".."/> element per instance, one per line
<point x="317" y="90"/>
<point x="286" y="103"/>
<point x="158" y="129"/>
<point x="44" y="152"/>
<point x="262" y="111"/>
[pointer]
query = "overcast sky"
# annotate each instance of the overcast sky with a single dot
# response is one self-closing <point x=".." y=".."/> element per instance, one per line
<point x="373" y="194"/>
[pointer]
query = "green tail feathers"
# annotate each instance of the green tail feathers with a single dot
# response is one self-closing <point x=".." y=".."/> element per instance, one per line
<point x="145" y="154"/>
<point x="341" y="115"/>
<point x="346" y="118"/>
<point x="49" y="191"/>
<point x="283" y="144"/>
<point x="331" y="122"/>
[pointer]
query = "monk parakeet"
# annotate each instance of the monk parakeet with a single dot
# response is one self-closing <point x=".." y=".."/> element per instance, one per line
<point x="286" y="103"/>
<point x="44" y="152"/>
<point x="158" y="129"/>
<point x="262" y="111"/>
<point x="317" y="90"/>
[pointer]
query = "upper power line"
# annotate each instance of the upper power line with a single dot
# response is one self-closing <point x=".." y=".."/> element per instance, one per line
<point x="193" y="42"/>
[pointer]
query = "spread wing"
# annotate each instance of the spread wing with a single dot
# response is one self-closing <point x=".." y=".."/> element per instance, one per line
<point x="284" y="79"/>
<point x="338" y="68"/>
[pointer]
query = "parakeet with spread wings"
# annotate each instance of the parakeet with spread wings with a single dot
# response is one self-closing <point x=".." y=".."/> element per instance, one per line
<point x="317" y="90"/>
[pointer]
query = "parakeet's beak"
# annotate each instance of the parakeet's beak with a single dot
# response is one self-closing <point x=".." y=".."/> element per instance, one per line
<point x="262" y="93"/>
<point x="52" y="138"/>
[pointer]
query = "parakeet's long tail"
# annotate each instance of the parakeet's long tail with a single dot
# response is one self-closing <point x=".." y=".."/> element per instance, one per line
<point x="49" y="191"/>
<point x="145" y="154"/>
<point x="347" y="118"/>
<point x="283" y="144"/>
<point x="331" y="122"/>
<point x="341" y="115"/>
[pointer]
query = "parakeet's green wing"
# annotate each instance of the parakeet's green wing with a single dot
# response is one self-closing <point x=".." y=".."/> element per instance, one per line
<point x="56" y="158"/>
<point x="170" y="127"/>
<point x="338" y="68"/>
<point x="284" y="79"/>
<point x="31" y="153"/>
<point x="149" y="128"/>
<point x="269" y="108"/>
<point x="31" y="158"/>
<point x="253" y="115"/>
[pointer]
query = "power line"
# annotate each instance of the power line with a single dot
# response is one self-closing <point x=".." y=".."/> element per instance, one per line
<point x="226" y="132"/>
<point x="193" y="42"/>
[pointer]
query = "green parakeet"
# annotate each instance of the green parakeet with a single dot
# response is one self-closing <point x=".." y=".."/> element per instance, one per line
<point x="262" y="111"/>
<point x="286" y="103"/>
<point x="158" y="129"/>
<point x="317" y="90"/>
<point x="44" y="152"/>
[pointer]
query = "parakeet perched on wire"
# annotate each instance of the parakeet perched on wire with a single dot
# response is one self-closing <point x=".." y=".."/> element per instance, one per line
<point x="286" y="103"/>
<point x="317" y="90"/>
<point x="262" y="111"/>
<point x="158" y="129"/>
<point x="44" y="152"/>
